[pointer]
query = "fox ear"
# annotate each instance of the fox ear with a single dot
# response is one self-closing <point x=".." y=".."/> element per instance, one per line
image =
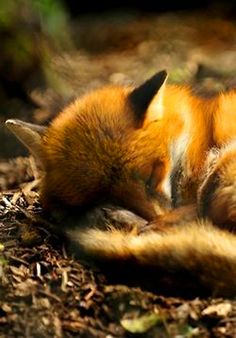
<point x="147" y="99"/>
<point x="30" y="135"/>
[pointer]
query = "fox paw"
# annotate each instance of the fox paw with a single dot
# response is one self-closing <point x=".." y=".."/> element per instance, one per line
<point x="171" y="219"/>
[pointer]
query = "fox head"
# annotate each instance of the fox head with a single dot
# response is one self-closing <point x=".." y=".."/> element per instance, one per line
<point x="103" y="146"/>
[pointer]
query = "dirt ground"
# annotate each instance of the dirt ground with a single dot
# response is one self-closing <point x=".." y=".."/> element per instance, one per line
<point x="44" y="290"/>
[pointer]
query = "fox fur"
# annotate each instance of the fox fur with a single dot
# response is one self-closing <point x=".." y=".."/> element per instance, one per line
<point x="152" y="149"/>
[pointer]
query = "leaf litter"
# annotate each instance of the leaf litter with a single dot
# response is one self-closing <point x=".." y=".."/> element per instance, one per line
<point x="44" y="290"/>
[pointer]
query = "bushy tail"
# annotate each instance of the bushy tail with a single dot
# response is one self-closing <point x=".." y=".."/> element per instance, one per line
<point x="202" y="250"/>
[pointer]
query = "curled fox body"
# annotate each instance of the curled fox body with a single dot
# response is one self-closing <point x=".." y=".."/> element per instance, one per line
<point x="152" y="149"/>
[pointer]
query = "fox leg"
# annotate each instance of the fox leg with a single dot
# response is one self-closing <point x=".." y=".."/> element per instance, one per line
<point x="217" y="193"/>
<point x="171" y="218"/>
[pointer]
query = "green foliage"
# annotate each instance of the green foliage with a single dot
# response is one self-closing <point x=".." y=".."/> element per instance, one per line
<point x="54" y="21"/>
<point x="141" y="324"/>
<point x="49" y="16"/>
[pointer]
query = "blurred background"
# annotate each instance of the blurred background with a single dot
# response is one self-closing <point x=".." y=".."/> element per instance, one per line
<point x="54" y="50"/>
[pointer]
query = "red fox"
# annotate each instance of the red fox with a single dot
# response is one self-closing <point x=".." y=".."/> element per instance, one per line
<point x="155" y="149"/>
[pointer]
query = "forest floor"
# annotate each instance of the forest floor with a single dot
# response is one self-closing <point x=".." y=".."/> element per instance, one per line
<point x="44" y="291"/>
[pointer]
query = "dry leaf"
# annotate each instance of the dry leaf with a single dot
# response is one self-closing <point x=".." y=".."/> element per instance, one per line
<point x="219" y="310"/>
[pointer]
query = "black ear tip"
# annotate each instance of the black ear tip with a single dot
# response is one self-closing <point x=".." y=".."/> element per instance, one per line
<point x="141" y="97"/>
<point x="164" y="72"/>
<point x="162" y="75"/>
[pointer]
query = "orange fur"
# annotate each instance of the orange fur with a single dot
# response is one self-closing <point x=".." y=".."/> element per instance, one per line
<point x="94" y="149"/>
<point x="200" y="249"/>
<point x="175" y="150"/>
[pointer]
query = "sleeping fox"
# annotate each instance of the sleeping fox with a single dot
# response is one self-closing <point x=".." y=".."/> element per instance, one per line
<point x="159" y="151"/>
